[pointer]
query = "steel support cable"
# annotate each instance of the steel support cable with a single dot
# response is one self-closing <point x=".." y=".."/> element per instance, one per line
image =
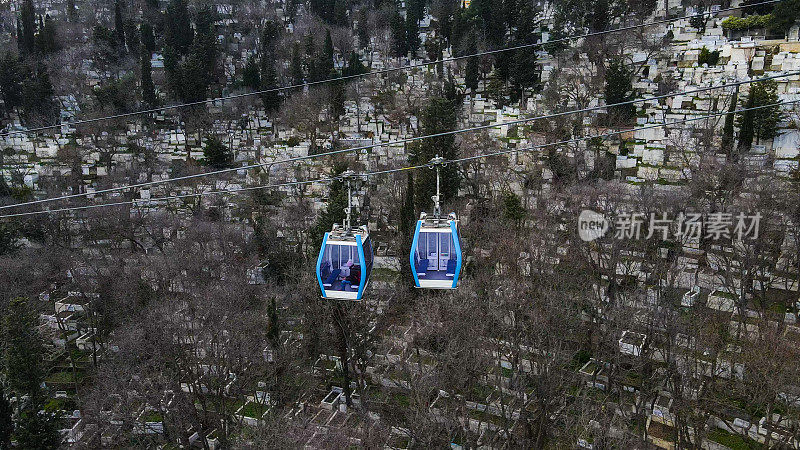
<point x="375" y="72"/>
<point x="148" y="202"/>
<point x="398" y="141"/>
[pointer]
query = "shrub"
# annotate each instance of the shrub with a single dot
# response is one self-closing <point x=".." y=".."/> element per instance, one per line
<point x="708" y="57"/>
<point x="746" y="23"/>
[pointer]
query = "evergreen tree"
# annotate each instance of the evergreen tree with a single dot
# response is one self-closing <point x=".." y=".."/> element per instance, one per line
<point x="26" y="28"/>
<point x="600" y="16"/>
<point x="326" y="63"/>
<point x="148" y="39"/>
<point x="760" y="123"/>
<point x="38" y="105"/>
<point x="760" y="8"/>
<point x="354" y="66"/>
<point x="699" y="20"/>
<point x="217" y="155"/>
<point x="250" y="74"/>
<point x="132" y="37"/>
<point x="119" y="26"/>
<point x="296" y="65"/>
<point x="398" y="32"/>
<point x="72" y="13"/>
<point x="335" y="211"/>
<point x="205" y="47"/>
<point x="412" y="34"/>
<point x="8" y="234"/>
<point x="437" y="117"/>
<point x="727" y="129"/>
<point x="363" y="29"/>
<point x="555" y="45"/>
<point x="46" y="41"/>
<point x="23" y="350"/>
<point x="148" y="88"/>
<point x="6" y="423"/>
<point x="513" y="211"/>
<point x="525" y="72"/>
<point x="744" y="121"/>
<point x="496" y="89"/>
<point x="12" y="74"/>
<point x="619" y="89"/>
<point x="312" y="69"/>
<point x="408" y="219"/>
<point x="269" y="36"/>
<point x="510" y="9"/>
<point x="784" y="16"/>
<point x="458" y="30"/>
<point x="339" y="17"/>
<point x="337" y="95"/>
<point x="191" y="73"/>
<point x="178" y="32"/>
<point x="415" y="8"/>
<point x="37" y="428"/>
<point x="269" y="81"/>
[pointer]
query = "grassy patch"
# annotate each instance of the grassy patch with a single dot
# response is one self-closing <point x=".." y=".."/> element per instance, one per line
<point x="152" y="416"/>
<point x="254" y="410"/>
<point x="64" y="377"/>
<point x="733" y="441"/>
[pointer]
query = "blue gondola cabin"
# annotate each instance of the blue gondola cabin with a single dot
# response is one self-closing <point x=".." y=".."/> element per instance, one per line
<point x="436" y="253"/>
<point x="345" y="263"/>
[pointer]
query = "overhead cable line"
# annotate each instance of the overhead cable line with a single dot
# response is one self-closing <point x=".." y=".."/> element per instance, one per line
<point x="398" y="141"/>
<point x="373" y="72"/>
<point x="148" y="202"/>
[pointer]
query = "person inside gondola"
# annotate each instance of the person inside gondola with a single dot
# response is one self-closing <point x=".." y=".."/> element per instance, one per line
<point x="355" y="276"/>
<point x="346" y="269"/>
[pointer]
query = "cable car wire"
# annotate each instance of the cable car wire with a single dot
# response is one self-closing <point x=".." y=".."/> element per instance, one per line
<point x="147" y="202"/>
<point x="398" y="141"/>
<point x="374" y="72"/>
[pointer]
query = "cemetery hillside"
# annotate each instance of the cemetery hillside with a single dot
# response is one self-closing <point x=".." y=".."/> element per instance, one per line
<point x="400" y="224"/>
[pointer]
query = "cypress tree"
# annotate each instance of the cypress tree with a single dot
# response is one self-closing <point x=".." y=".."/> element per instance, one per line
<point x="12" y="74"/>
<point x="312" y="69"/>
<point x="398" y="32"/>
<point x="6" y="423"/>
<point x="148" y="39"/>
<point x="437" y="117"/>
<point x="354" y="66"/>
<point x="727" y="129"/>
<point x="178" y="32"/>
<point x="119" y="26"/>
<point x="296" y="65"/>
<point x="250" y="76"/>
<point x="148" y="88"/>
<point x="269" y="36"/>
<point x="619" y="89"/>
<point x="335" y="211"/>
<point x="339" y="13"/>
<point x="217" y="155"/>
<point x="407" y="220"/>
<point x="132" y="38"/>
<point x="412" y="34"/>
<point x="362" y="29"/>
<point x="269" y="81"/>
<point x="326" y="65"/>
<point x="26" y="28"/>
<point x="761" y="123"/>
<point x="205" y="44"/>
<point x="45" y="40"/>
<point x="525" y="72"/>
<point x="72" y="13"/>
